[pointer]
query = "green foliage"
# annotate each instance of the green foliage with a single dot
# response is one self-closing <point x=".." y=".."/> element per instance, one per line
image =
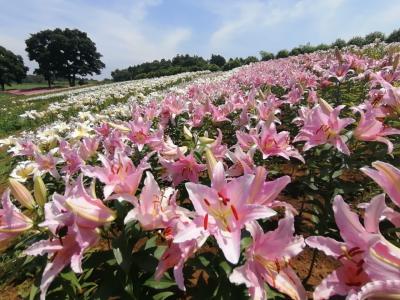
<point x="282" y="53"/>
<point x="163" y="67"/>
<point x="265" y="55"/>
<point x="339" y="43"/>
<point x="12" y="67"/>
<point x="218" y="60"/>
<point x="357" y="41"/>
<point x="376" y="35"/>
<point x="394" y="36"/>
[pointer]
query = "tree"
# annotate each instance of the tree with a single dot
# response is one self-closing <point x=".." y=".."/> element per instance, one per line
<point x="38" y="48"/>
<point x="356" y="41"/>
<point x="218" y="60"/>
<point x="265" y="55"/>
<point x="78" y="55"/>
<point x="282" y="53"/>
<point x="340" y="43"/>
<point x="371" y="37"/>
<point x="295" y="51"/>
<point x="64" y="53"/>
<point x="250" y="59"/>
<point x="322" y="47"/>
<point x="394" y="36"/>
<point x="12" y="68"/>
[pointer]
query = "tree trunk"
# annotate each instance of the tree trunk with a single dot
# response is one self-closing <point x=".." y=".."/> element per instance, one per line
<point x="3" y="88"/>
<point x="73" y="80"/>
<point x="49" y="82"/>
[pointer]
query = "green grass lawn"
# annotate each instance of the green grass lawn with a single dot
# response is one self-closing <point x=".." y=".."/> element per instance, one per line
<point x="23" y="86"/>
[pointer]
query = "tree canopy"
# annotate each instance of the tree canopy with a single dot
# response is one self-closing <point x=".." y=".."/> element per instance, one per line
<point x="179" y="64"/>
<point x="12" y="68"/>
<point x="64" y="53"/>
<point x="218" y="60"/>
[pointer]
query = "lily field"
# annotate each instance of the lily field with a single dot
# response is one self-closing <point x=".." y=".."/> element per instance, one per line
<point x="275" y="180"/>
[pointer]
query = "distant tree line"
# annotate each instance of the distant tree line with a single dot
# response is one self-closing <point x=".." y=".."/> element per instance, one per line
<point x="339" y="43"/>
<point x="179" y="64"/>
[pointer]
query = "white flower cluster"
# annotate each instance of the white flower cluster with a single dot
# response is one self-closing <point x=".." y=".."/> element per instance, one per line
<point x="83" y="123"/>
<point x="90" y="97"/>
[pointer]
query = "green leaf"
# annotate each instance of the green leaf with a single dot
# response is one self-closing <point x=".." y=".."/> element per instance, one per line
<point x="205" y="262"/>
<point x="71" y="277"/>
<point x="226" y="267"/>
<point x="337" y="173"/>
<point x="162" y="295"/>
<point x="118" y="255"/>
<point x="159" y="251"/>
<point x="33" y="292"/>
<point x="159" y="285"/>
<point x="151" y="243"/>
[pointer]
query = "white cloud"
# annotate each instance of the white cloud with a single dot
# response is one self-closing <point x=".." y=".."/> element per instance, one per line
<point x="252" y="16"/>
<point x="124" y="36"/>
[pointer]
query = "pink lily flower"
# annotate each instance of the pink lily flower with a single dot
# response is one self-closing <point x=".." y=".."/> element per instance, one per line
<point x="103" y="130"/>
<point x="387" y="177"/>
<point x="247" y="140"/>
<point x="382" y="261"/>
<point x="61" y="254"/>
<point x="24" y="148"/>
<point x="267" y="260"/>
<point x="76" y="206"/>
<point x="152" y="109"/>
<point x="388" y="289"/>
<point x="242" y="162"/>
<point x="264" y="192"/>
<point x="222" y="211"/>
<point x="272" y="143"/>
<point x="295" y="95"/>
<point x="74" y="219"/>
<point x="88" y="147"/>
<point x="73" y="161"/>
<point x="139" y="132"/>
<point x="269" y="108"/>
<point x="197" y="116"/>
<point x="370" y="129"/>
<point x="219" y="113"/>
<point x="155" y="209"/>
<point x="351" y="275"/>
<point x="119" y="175"/>
<point x="185" y="168"/>
<point x="324" y="126"/>
<point x="175" y="256"/>
<point x="12" y="221"/>
<point x="178" y="253"/>
<point x="47" y="163"/>
<point x="217" y="148"/>
<point x="391" y="96"/>
<point x="114" y="143"/>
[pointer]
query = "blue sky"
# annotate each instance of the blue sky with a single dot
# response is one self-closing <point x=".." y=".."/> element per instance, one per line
<point x="134" y="31"/>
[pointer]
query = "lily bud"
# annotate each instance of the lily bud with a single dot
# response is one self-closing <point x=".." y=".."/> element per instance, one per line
<point x="119" y="127"/>
<point x="338" y="55"/>
<point x="93" y="188"/>
<point x="211" y="162"/>
<point x="39" y="190"/>
<point x="21" y="193"/>
<point x="93" y="210"/>
<point x="206" y="140"/>
<point x="186" y="133"/>
<point x="325" y="106"/>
